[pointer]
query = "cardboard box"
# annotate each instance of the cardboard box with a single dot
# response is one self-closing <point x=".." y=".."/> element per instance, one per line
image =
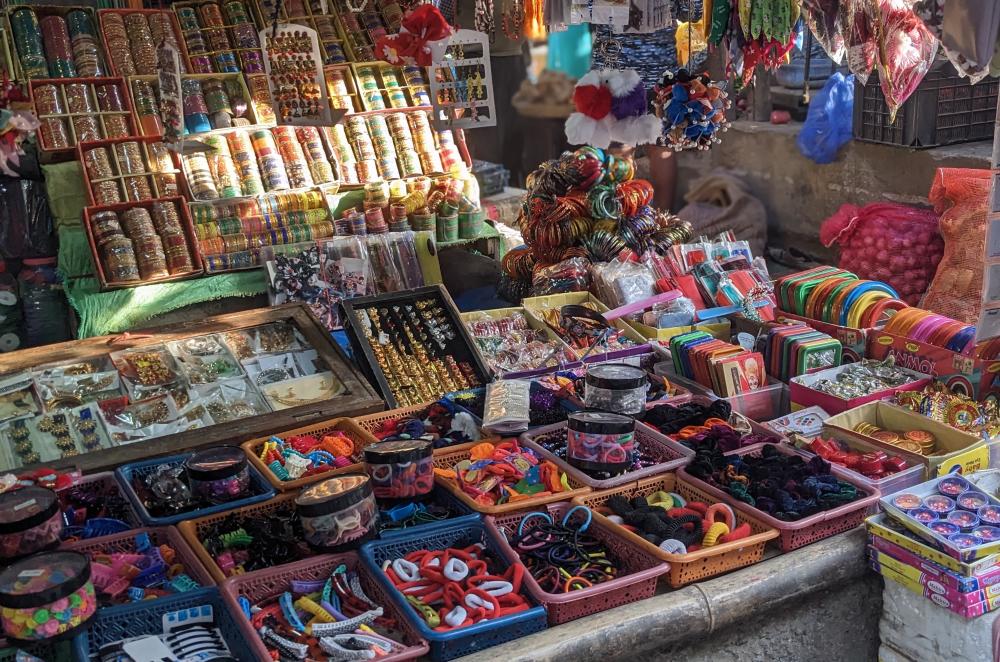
<point x="535" y="305"/>
<point x="534" y="323"/>
<point x="946" y="600"/>
<point x="963" y="374"/>
<point x="989" y="582"/>
<point x="961" y="449"/>
<point x="929" y="581"/>
<point x="803" y="395"/>
<point x="884" y="527"/>
<point x="719" y="330"/>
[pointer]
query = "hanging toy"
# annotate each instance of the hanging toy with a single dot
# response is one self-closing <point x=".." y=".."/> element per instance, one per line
<point x="422" y="38"/>
<point x="692" y="110"/>
<point x="611" y="107"/>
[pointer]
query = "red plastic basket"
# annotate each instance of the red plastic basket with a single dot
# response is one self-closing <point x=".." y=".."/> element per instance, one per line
<point x="808" y="529"/>
<point x="669" y="455"/>
<point x="641" y="569"/>
<point x="692" y="566"/>
<point x="270" y="583"/>
<point x="160" y="535"/>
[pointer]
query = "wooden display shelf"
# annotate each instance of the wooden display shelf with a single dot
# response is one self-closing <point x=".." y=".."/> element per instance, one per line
<point x="358" y="398"/>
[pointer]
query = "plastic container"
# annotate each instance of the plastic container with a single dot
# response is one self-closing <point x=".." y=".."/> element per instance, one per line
<point x="266" y="584"/>
<point x="945" y="109"/>
<point x="616" y="387"/>
<point x="693" y="566"/>
<point x="147" y="617"/>
<point x="808" y="529"/>
<point x="639" y="569"/>
<point x="347" y="426"/>
<point x="127" y="543"/>
<point x="339" y="513"/>
<point x="401" y="469"/>
<point x="46" y="596"/>
<point x="492" y="177"/>
<point x="457" y="533"/>
<point x="219" y="475"/>
<point x="454" y="455"/>
<point x="600" y="442"/>
<point x="260" y="490"/>
<point x="30" y="521"/>
<point x="765" y="404"/>
<point x="669" y="455"/>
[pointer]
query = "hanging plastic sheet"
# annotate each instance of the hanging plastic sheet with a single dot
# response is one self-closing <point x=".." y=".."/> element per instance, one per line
<point x="27" y="228"/>
<point x="828" y="124"/>
<point x="906" y="52"/>
<point x="967" y="31"/>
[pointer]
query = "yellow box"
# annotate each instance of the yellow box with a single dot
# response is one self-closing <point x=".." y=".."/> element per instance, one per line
<point x="964" y="451"/>
<point x="720" y="330"/>
<point x="534" y="306"/>
<point x="881" y="525"/>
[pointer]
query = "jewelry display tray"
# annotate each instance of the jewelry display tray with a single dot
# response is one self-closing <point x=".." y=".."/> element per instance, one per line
<point x="462" y="347"/>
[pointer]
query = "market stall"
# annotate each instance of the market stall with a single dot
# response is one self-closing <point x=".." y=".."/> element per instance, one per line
<point x="655" y="436"/>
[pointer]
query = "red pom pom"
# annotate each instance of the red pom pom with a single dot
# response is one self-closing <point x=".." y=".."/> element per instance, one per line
<point x="592" y="100"/>
<point x="742" y="531"/>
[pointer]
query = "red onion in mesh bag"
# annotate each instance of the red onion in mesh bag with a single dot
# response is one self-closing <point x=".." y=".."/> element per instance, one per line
<point x="896" y="244"/>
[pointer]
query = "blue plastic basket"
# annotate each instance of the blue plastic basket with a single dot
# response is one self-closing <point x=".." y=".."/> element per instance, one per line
<point x="438" y="496"/>
<point x="458" y="532"/>
<point x="146" y="617"/>
<point x="259" y="486"/>
<point x="62" y="650"/>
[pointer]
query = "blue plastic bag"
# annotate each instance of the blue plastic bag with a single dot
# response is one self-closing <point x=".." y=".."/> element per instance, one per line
<point x="828" y="123"/>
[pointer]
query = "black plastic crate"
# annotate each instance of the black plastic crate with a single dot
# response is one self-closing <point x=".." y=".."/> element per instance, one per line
<point x="462" y="347"/>
<point x="492" y="177"/>
<point x="945" y="110"/>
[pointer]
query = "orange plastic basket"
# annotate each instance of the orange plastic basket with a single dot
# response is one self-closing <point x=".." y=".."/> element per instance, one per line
<point x="356" y="433"/>
<point x="693" y="566"/>
<point x="195" y="530"/>
<point x="373" y="422"/>
<point x="451" y="456"/>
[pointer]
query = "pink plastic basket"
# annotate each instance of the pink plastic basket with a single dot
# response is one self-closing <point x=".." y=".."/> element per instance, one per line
<point x="160" y="535"/>
<point x="641" y="569"/>
<point x="669" y="455"/>
<point x="808" y="529"/>
<point x="272" y="582"/>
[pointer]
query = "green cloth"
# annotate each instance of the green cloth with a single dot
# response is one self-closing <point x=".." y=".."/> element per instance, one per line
<point x="67" y="196"/>
<point x="75" y="260"/>
<point x="101" y="313"/>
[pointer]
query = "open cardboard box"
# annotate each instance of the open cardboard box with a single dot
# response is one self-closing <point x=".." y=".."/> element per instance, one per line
<point x="803" y="394"/>
<point x="957" y="449"/>
<point x="533" y="323"/>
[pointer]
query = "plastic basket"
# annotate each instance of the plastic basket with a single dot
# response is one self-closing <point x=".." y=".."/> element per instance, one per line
<point x="667" y="453"/>
<point x="266" y="584"/>
<point x="164" y="535"/>
<point x="944" y="110"/>
<point x="455" y="455"/>
<point x="638" y="581"/>
<point x="373" y="422"/>
<point x="492" y="177"/>
<point x="105" y="486"/>
<point x="458" y="533"/>
<point x="260" y="488"/>
<point x="146" y="617"/>
<point x="693" y="566"/>
<point x="439" y="496"/>
<point x="808" y="529"/>
<point x="357" y="434"/>
<point x="62" y="650"/>
<point x="764" y="404"/>
<point x="195" y="530"/>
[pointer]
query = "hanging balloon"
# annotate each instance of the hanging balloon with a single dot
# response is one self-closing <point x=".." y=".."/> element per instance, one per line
<point x="692" y="109"/>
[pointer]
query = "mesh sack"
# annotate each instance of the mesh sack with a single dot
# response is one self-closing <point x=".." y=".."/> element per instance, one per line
<point x="894" y="243"/>
<point x="960" y="196"/>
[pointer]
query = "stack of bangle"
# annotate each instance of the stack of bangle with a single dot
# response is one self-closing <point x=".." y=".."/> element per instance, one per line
<point x="932" y="329"/>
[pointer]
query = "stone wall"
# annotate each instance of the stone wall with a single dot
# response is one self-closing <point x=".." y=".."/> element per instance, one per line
<point x="799" y="194"/>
